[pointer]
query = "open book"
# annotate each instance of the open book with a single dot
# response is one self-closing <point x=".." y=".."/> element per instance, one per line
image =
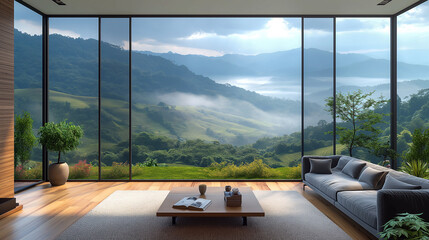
<point x="193" y="203"/>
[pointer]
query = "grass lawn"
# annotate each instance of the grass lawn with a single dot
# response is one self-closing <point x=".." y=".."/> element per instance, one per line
<point x="179" y="172"/>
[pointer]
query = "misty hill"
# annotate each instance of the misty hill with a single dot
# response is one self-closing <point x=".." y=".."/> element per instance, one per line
<point x="288" y="63"/>
<point x="76" y="61"/>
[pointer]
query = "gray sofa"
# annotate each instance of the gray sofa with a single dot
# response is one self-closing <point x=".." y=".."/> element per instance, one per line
<point x="369" y="206"/>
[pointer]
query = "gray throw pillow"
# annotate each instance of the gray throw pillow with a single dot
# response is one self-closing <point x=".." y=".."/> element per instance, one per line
<point x="393" y="183"/>
<point x="341" y="163"/>
<point x="320" y="166"/>
<point x="353" y="168"/>
<point x="371" y="176"/>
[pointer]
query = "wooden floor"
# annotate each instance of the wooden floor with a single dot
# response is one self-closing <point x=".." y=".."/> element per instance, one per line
<point x="48" y="211"/>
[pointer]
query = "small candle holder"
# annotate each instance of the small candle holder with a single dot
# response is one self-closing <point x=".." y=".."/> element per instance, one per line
<point x="202" y="188"/>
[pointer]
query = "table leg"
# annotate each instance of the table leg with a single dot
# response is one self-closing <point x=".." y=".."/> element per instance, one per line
<point x="244" y="221"/>
<point x="173" y="220"/>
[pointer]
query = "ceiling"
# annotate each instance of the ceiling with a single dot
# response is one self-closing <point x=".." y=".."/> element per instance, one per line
<point x="220" y="7"/>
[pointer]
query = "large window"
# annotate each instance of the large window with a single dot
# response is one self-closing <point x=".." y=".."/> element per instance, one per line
<point x="216" y="97"/>
<point x="363" y="75"/>
<point x="28" y="86"/>
<point x="318" y="85"/>
<point x="413" y="74"/>
<point x="115" y="77"/>
<point x="73" y="88"/>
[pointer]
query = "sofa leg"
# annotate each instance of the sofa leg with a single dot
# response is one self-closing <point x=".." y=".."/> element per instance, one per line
<point x="303" y="187"/>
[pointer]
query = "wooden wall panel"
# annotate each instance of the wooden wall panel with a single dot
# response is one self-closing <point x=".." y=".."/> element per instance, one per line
<point x="6" y="99"/>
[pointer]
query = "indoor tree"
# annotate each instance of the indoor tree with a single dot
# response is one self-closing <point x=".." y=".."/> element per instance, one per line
<point x="59" y="137"/>
<point x="356" y="111"/>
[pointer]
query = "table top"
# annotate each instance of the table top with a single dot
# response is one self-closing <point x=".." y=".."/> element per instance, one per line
<point x="250" y="206"/>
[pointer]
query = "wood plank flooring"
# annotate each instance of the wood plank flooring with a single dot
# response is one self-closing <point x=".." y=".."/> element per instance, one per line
<point x="48" y="211"/>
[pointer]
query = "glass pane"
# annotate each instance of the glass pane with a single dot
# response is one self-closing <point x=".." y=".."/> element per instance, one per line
<point x="114" y="98"/>
<point x="216" y="98"/>
<point x="318" y="85"/>
<point x="73" y="88"/>
<point x="413" y="75"/>
<point x="28" y="88"/>
<point x="363" y="71"/>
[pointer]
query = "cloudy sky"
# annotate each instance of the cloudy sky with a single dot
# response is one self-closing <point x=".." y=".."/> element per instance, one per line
<point x="219" y="36"/>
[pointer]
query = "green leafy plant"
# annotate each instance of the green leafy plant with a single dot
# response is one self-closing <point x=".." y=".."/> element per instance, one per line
<point x="150" y="163"/>
<point x="356" y="109"/>
<point x="117" y="171"/>
<point x="382" y="149"/>
<point x="60" y="137"/>
<point x="417" y="157"/>
<point x="255" y="169"/>
<point x="24" y="139"/>
<point x="406" y="226"/>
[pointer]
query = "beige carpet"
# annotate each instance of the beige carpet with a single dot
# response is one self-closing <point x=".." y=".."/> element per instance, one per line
<point x="131" y="215"/>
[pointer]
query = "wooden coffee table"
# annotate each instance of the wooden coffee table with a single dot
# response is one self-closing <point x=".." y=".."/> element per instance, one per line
<point x="250" y="206"/>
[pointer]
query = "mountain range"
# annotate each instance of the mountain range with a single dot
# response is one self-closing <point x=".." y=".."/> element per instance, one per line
<point x="317" y="63"/>
<point x="175" y="94"/>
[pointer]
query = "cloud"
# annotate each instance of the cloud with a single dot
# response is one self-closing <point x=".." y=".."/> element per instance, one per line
<point x="65" y="33"/>
<point x="34" y="28"/>
<point x="277" y="34"/>
<point x="275" y="122"/>
<point x="28" y="26"/>
<point x="417" y="15"/>
<point x="157" y="47"/>
<point x="199" y="35"/>
<point x="365" y="51"/>
<point x="274" y="28"/>
<point x="362" y="25"/>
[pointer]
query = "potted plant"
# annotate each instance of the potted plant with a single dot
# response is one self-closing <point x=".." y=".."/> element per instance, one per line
<point x="59" y="137"/>
<point x="406" y="226"/>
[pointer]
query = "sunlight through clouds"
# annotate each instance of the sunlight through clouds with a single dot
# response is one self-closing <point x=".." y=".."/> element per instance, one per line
<point x="274" y="28"/>
<point x="157" y="47"/>
<point x="199" y="35"/>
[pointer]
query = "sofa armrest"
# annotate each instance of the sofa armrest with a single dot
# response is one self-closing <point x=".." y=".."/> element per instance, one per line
<point x="305" y="163"/>
<point x="392" y="202"/>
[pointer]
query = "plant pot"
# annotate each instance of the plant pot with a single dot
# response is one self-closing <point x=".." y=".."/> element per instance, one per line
<point x="58" y="173"/>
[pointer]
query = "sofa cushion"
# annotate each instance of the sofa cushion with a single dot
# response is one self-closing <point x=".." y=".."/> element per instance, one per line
<point x="320" y="166"/>
<point x="330" y="184"/>
<point x="341" y="163"/>
<point x="393" y="183"/>
<point x="371" y="176"/>
<point x="362" y="204"/>
<point x="353" y="168"/>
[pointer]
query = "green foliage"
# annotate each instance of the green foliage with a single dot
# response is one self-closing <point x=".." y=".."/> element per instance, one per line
<point x="255" y="169"/>
<point x="417" y="157"/>
<point x="406" y="226"/>
<point x="357" y="110"/>
<point x="60" y="137"/>
<point x="24" y="139"/>
<point x="117" y="171"/>
<point x="293" y="172"/>
<point x="150" y="163"/>
<point x="383" y="149"/>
